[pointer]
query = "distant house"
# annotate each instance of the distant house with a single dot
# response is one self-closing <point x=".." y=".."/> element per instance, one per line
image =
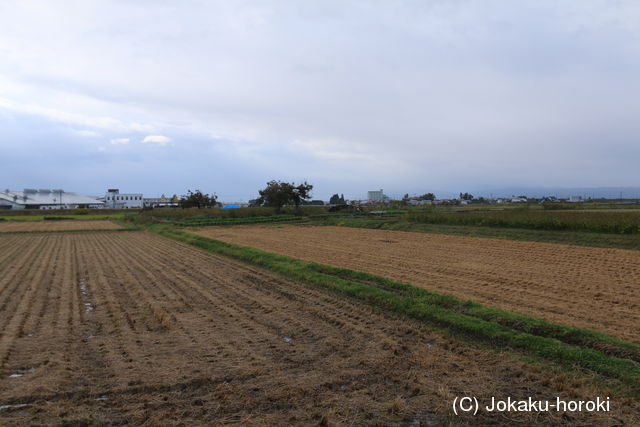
<point x="46" y="199"/>
<point x="519" y="200"/>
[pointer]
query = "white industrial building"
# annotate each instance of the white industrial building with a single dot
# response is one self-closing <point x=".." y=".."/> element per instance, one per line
<point x="46" y="199"/>
<point x="377" y="196"/>
<point x="116" y="200"/>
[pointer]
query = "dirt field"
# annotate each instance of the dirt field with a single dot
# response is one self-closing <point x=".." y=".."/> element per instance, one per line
<point x="134" y="328"/>
<point x="584" y="287"/>
<point x="57" y="225"/>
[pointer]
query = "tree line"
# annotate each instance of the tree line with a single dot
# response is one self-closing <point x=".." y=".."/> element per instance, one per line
<point x="276" y="194"/>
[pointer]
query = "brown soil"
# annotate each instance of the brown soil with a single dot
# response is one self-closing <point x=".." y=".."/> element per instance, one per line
<point x="132" y="328"/>
<point x="590" y="288"/>
<point x="57" y="225"/>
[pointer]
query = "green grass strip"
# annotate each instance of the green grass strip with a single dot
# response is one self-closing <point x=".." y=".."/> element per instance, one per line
<point x="470" y="320"/>
<point x="583" y="337"/>
<point x="199" y="222"/>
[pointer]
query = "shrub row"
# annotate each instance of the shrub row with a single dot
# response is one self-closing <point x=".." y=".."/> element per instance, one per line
<point x="603" y="222"/>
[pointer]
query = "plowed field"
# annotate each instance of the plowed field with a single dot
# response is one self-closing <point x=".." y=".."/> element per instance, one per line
<point x="57" y="225"/>
<point x="584" y="287"/>
<point x="132" y="328"/>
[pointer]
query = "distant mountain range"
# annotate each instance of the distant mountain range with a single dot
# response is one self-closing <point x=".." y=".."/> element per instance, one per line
<point x="586" y="192"/>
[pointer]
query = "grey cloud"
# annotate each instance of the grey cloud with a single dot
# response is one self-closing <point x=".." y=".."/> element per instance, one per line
<point x="445" y="93"/>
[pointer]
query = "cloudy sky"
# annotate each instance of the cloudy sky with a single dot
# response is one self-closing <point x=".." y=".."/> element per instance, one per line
<point x="409" y="96"/>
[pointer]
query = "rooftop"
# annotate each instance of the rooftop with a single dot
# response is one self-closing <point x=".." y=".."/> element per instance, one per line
<point x="46" y="197"/>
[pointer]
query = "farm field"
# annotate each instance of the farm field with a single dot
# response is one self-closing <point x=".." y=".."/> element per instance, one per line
<point x="57" y="225"/>
<point x="132" y="328"/>
<point x="579" y="238"/>
<point x="583" y="287"/>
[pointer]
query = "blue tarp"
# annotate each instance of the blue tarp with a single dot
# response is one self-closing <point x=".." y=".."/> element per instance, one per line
<point x="231" y="207"/>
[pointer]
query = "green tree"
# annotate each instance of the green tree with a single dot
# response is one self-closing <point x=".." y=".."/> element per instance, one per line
<point x="277" y="194"/>
<point x="428" y="196"/>
<point x="337" y="200"/>
<point x="197" y="199"/>
<point x="466" y="196"/>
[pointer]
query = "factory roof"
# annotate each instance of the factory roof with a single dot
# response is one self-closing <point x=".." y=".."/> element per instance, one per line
<point x="47" y="197"/>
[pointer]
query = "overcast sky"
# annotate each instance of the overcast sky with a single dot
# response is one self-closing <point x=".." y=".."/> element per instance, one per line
<point x="409" y="96"/>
